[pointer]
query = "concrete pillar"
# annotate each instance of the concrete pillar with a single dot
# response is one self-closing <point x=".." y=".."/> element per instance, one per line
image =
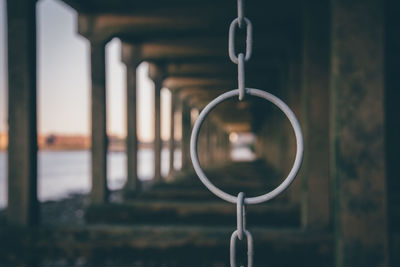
<point x="259" y="144"/>
<point x="157" y="75"/>
<point x="99" y="193"/>
<point x="131" y="57"/>
<point x="219" y="145"/>
<point x="316" y="202"/>
<point x="203" y="145"/>
<point x="171" y="143"/>
<point x="286" y="157"/>
<point x="186" y="131"/>
<point x="23" y="207"/>
<point x="358" y="159"/>
<point x="157" y="131"/>
<point x="212" y="153"/>
<point x="227" y="148"/>
<point x="293" y="100"/>
<point x="271" y="137"/>
<point x="221" y="158"/>
<point x="392" y="125"/>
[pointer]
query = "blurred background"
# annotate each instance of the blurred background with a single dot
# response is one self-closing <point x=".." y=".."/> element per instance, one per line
<point x="98" y="100"/>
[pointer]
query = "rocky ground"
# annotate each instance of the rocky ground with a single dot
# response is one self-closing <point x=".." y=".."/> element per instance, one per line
<point x="68" y="211"/>
<point x="178" y="223"/>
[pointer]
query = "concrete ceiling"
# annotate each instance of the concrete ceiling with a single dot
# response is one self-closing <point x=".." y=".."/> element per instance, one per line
<point x="189" y="38"/>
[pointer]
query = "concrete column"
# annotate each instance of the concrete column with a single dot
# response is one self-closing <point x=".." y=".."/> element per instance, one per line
<point x="186" y="130"/>
<point x="172" y="134"/>
<point x="358" y="159"/>
<point x="286" y="156"/>
<point x="157" y="75"/>
<point x="203" y="145"/>
<point x="294" y="82"/>
<point x="227" y="148"/>
<point x="157" y="131"/>
<point x="392" y="125"/>
<point x="316" y="202"/>
<point x="99" y="192"/>
<point x="271" y="140"/>
<point x="131" y="57"/>
<point x="212" y="153"/>
<point x="218" y="145"/>
<point x="23" y="207"/>
<point x="220" y="140"/>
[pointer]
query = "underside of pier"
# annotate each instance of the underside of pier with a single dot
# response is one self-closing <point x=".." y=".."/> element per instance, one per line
<point x="332" y="62"/>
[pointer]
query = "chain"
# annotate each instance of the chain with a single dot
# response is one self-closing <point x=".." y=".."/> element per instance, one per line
<point x="241" y="230"/>
<point x="241" y="58"/>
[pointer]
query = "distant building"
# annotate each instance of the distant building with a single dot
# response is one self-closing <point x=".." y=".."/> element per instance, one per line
<point x="64" y="142"/>
<point x="3" y="141"/>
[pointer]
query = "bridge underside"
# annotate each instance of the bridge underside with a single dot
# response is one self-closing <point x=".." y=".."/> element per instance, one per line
<point x="333" y="62"/>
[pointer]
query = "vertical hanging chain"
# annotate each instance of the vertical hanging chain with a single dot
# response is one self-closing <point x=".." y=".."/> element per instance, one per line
<point x="241" y="58"/>
<point x="241" y="230"/>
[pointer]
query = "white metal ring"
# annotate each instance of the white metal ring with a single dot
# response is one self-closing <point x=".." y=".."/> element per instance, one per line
<point x="299" y="146"/>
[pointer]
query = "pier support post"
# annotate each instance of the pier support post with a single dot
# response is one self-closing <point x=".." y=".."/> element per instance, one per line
<point x="186" y="130"/>
<point x="23" y="206"/>
<point x="293" y="100"/>
<point x="171" y="143"/>
<point x="392" y="125"/>
<point x="358" y="157"/>
<point x="156" y="73"/>
<point x="316" y="195"/>
<point x="131" y="58"/>
<point x="99" y="193"/>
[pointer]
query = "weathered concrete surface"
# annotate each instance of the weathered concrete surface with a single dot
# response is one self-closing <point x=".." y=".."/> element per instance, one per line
<point x="22" y="123"/>
<point x="99" y="191"/>
<point x="358" y="158"/>
<point x="316" y="194"/>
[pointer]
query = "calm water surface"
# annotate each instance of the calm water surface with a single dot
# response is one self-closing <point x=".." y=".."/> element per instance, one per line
<point x="61" y="173"/>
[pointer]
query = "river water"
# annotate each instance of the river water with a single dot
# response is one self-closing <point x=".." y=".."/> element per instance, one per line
<point x="61" y="173"/>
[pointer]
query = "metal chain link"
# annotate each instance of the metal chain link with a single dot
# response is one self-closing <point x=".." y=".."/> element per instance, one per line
<point x="241" y="215"/>
<point x="241" y="230"/>
<point x="249" y="249"/>
<point x="241" y="77"/>
<point x="240" y="59"/>
<point x="240" y="7"/>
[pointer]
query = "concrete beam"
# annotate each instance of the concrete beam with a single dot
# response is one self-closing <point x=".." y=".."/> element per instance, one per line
<point x="107" y="26"/>
<point x="182" y="82"/>
<point x="184" y="48"/>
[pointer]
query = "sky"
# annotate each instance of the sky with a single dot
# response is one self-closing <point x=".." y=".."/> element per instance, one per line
<point x="64" y="79"/>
